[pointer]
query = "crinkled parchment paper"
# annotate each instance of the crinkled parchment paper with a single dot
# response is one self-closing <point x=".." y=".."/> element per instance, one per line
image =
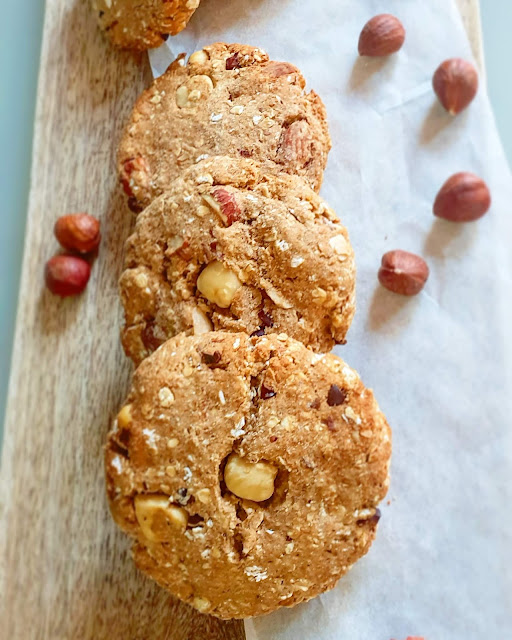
<point x="440" y="364"/>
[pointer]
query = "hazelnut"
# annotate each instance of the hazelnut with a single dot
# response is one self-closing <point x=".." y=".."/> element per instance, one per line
<point x="455" y="83"/>
<point x="201" y="604"/>
<point x="381" y="36"/>
<point x="124" y="417"/>
<point x="249" y="480"/>
<point x="78" y="232"/>
<point x="182" y="96"/>
<point x="198" y="57"/>
<point x="158" y="519"/>
<point x="218" y="284"/>
<point x="463" y="198"/>
<point x="67" y="275"/>
<point x="403" y="272"/>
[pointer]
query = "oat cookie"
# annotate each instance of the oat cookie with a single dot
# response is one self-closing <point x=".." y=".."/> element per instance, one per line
<point x="229" y="247"/>
<point x="248" y="471"/>
<point x="228" y="100"/>
<point x="143" y="24"/>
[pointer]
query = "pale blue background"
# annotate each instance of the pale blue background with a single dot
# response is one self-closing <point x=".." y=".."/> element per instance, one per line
<point x="20" y="41"/>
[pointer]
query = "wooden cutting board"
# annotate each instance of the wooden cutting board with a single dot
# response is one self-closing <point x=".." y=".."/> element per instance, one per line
<point x="65" y="571"/>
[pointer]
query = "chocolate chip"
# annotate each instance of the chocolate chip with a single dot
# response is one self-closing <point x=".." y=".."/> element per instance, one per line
<point x="124" y="437"/>
<point x="273" y="438"/>
<point x="120" y="450"/>
<point x="245" y="153"/>
<point x="195" y="519"/>
<point x="233" y="62"/>
<point x="183" y="496"/>
<point x="164" y="36"/>
<point x="315" y="404"/>
<point x="373" y="520"/>
<point x="265" y="318"/>
<point x="336" y="396"/>
<point x="134" y="205"/>
<point x="211" y="359"/>
<point x="258" y="333"/>
<point x="266" y="392"/>
<point x="330" y="422"/>
<point x="149" y="340"/>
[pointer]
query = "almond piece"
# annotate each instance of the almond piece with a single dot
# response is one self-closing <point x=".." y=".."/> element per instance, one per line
<point x="296" y="146"/>
<point x="463" y="198"/>
<point x="403" y="272"/>
<point x="230" y="210"/>
<point x="134" y="177"/>
<point x="381" y="36"/>
<point x="455" y="83"/>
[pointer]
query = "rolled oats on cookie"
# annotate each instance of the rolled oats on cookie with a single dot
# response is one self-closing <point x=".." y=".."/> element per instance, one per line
<point x="142" y="24"/>
<point x="227" y="100"/>
<point x="230" y="247"/>
<point x="248" y="471"/>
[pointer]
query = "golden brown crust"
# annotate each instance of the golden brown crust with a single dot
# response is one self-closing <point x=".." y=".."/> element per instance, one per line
<point x="143" y="24"/>
<point x="228" y="100"/>
<point x="285" y="245"/>
<point x="198" y="399"/>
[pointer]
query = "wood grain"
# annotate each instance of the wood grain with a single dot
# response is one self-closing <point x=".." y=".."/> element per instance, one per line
<point x="65" y="570"/>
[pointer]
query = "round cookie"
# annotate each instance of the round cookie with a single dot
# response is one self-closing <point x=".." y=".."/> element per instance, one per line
<point x="228" y="100"/>
<point x="248" y="471"/>
<point x="143" y="24"/>
<point x="229" y="247"/>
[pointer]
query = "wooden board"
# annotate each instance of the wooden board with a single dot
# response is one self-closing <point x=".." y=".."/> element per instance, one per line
<point x="65" y="569"/>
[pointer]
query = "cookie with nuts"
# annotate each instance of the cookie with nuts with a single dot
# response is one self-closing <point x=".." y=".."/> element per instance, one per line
<point x="227" y="100"/>
<point x="230" y="247"/>
<point x="142" y="24"/>
<point x="248" y="471"/>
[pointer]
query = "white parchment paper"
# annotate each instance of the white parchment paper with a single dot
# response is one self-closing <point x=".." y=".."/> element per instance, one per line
<point x="440" y="364"/>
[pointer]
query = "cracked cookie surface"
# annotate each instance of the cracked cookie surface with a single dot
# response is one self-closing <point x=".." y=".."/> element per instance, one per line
<point x="229" y="247"/>
<point x="287" y="416"/>
<point x="142" y="24"/>
<point x="228" y="100"/>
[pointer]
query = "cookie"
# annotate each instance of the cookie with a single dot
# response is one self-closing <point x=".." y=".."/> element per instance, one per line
<point x="230" y="247"/>
<point x="228" y="100"/>
<point x="143" y="24"/>
<point x="247" y="470"/>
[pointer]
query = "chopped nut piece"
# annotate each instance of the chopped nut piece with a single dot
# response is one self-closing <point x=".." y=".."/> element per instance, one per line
<point x="182" y="96"/>
<point x="198" y="57"/>
<point x="201" y="604"/>
<point x="249" y="480"/>
<point x="124" y="417"/>
<point x="340" y="245"/>
<point x="166" y="397"/>
<point x="203" y="495"/>
<point x="201" y="322"/>
<point x="218" y="284"/>
<point x="158" y="519"/>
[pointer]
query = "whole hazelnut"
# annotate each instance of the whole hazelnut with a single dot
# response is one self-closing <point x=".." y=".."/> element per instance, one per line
<point x="67" y="275"/>
<point x="403" y="272"/>
<point x="249" y="480"/>
<point x="381" y="36"/>
<point x="463" y="198"/>
<point x="78" y="232"/>
<point x="456" y="84"/>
